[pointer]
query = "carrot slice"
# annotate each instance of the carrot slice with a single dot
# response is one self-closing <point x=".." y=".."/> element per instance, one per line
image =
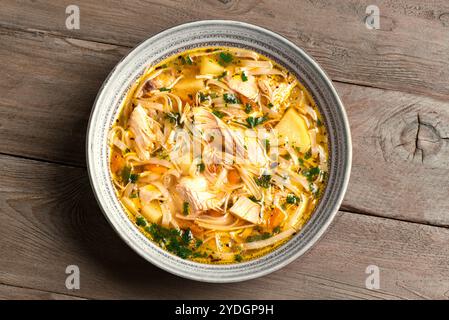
<point x="275" y="218"/>
<point x="117" y="162"/>
<point x="155" y="168"/>
<point x="234" y="176"/>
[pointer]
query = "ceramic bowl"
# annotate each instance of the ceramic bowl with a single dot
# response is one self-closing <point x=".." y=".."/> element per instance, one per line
<point x="219" y="33"/>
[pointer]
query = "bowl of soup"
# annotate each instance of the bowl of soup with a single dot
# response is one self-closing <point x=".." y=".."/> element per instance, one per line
<point x="218" y="150"/>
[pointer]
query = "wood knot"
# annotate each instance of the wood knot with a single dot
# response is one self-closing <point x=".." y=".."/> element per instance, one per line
<point x="420" y="139"/>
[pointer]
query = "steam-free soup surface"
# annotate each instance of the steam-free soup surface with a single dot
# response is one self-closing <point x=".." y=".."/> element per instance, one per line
<point x="218" y="155"/>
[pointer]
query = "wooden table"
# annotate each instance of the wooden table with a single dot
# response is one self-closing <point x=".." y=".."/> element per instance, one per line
<point x="393" y="81"/>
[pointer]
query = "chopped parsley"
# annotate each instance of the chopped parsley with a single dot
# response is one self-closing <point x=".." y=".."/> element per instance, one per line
<point x="314" y="189"/>
<point x="270" y="105"/>
<point x="311" y="174"/>
<point x="244" y="77"/>
<point x="238" y="258"/>
<point x="185" y="208"/>
<point x="198" y="243"/>
<point x="125" y="174"/>
<point x="221" y="76"/>
<point x="255" y="121"/>
<point x="308" y="154"/>
<point x="133" y="177"/>
<point x="263" y="181"/>
<point x="230" y="98"/>
<point x="258" y="237"/>
<point x="248" y="108"/>
<point x="176" y="242"/>
<point x="141" y="222"/>
<point x="201" y="167"/>
<point x="225" y="58"/>
<point x="318" y="122"/>
<point x="203" y="97"/>
<point x="173" y="117"/>
<point x="266" y="144"/>
<point x="164" y="89"/>
<point x="253" y="198"/>
<point x="218" y="114"/>
<point x="292" y="199"/>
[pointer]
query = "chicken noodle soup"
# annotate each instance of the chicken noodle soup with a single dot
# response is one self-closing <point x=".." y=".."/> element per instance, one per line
<point x="218" y="154"/>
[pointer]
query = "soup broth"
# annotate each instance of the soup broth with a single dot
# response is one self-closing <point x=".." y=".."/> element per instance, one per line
<point x="218" y="154"/>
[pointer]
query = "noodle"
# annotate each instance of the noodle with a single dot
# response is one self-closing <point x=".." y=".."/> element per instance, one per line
<point x="218" y="155"/>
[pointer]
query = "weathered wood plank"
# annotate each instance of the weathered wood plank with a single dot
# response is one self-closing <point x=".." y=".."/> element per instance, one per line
<point x="48" y="85"/>
<point x="408" y="53"/>
<point x="49" y="219"/>
<point x="17" y="293"/>
<point x="44" y="116"/>
<point x="400" y="155"/>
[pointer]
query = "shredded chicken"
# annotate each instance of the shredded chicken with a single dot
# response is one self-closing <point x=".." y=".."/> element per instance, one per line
<point x="247" y="210"/>
<point x="194" y="191"/>
<point x="144" y="130"/>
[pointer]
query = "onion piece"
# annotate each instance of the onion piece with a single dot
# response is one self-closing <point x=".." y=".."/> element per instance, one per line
<point x="268" y="242"/>
<point x="128" y="189"/>
<point x="129" y="204"/>
<point x="222" y="228"/>
<point x="256" y="64"/>
<point x="119" y="144"/>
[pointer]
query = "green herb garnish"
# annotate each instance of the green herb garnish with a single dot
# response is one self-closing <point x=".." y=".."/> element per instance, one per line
<point x="141" y="222"/>
<point x="308" y="154"/>
<point x="244" y="77"/>
<point x="253" y="198"/>
<point x="258" y="237"/>
<point x="225" y="58"/>
<point x="311" y="174"/>
<point x="125" y="174"/>
<point x="201" y="167"/>
<point x="255" y="121"/>
<point x="266" y="144"/>
<point x="203" y="97"/>
<point x="292" y="199"/>
<point x="185" y="208"/>
<point x="133" y="177"/>
<point x="218" y="114"/>
<point x="270" y="105"/>
<point x="248" y="108"/>
<point x="238" y="258"/>
<point x="221" y="76"/>
<point x="177" y="242"/>
<point x="263" y="181"/>
<point x="230" y="98"/>
<point x="173" y="117"/>
<point x="164" y="89"/>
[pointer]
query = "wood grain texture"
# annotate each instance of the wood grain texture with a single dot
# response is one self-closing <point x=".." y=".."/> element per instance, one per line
<point x="408" y="53"/>
<point x="398" y="159"/>
<point x="49" y="219"/>
<point x="18" y="293"/>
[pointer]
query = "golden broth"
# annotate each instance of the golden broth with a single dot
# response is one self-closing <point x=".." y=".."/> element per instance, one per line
<point x="219" y="154"/>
